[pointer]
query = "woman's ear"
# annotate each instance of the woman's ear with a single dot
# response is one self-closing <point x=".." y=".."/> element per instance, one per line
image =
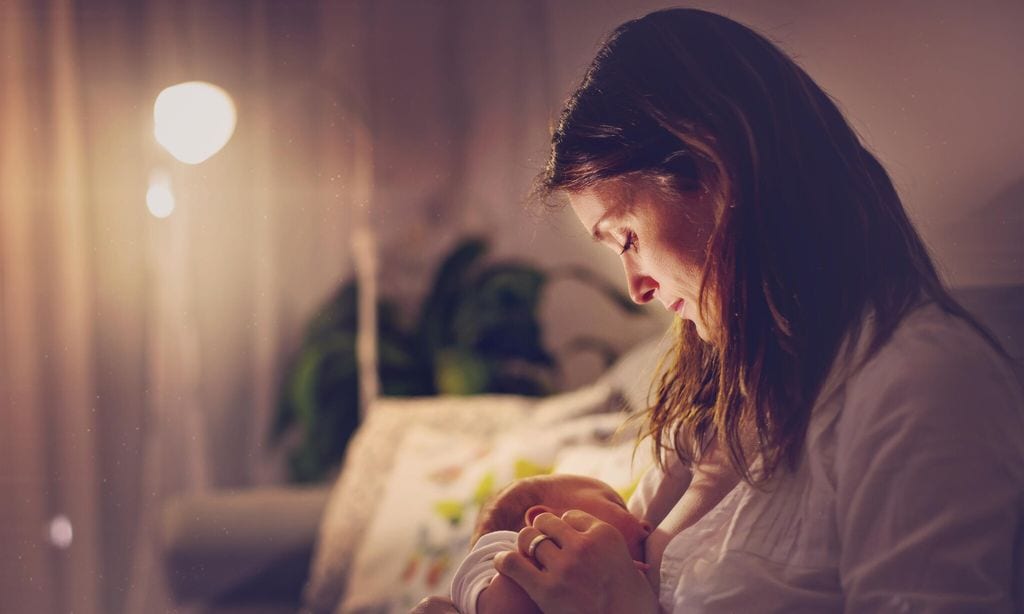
<point x="533" y="512"/>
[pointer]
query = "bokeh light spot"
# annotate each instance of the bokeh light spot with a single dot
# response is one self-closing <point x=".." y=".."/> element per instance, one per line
<point x="193" y="120"/>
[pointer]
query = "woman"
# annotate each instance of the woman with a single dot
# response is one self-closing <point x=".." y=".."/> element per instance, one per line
<point x="878" y="429"/>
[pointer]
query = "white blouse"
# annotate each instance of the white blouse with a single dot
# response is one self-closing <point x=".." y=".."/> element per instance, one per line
<point x="909" y="497"/>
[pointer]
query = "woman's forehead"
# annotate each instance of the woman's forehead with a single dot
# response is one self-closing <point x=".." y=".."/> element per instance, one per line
<point x="599" y="205"/>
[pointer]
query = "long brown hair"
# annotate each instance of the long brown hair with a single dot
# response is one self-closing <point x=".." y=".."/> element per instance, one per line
<point x="810" y="235"/>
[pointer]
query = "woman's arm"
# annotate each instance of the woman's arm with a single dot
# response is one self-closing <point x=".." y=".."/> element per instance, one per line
<point x="659" y="490"/>
<point x="930" y="483"/>
<point x="588" y="569"/>
<point x="712" y="480"/>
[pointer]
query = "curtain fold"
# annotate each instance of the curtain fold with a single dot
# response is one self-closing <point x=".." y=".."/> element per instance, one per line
<point x="175" y="456"/>
<point x="28" y="578"/>
<point x="141" y="357"/>
<point x="47" y="404"/>
<point x="74" y="405"/>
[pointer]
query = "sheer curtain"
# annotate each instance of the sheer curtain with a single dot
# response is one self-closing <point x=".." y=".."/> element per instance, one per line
<point x="140" y="356"/>
<point x="48" y="438"/>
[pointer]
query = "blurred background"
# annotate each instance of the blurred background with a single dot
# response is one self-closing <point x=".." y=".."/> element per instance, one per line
<point x="151" y="310"/>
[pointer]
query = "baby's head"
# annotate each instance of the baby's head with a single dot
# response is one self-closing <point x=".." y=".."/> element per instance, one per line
<point x="518" y="504"/>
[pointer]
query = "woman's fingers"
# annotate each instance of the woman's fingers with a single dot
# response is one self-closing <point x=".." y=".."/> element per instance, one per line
<point x="580" y="566"/>
<point x="550" y="534"/>
<point x="579" y="520"/>
<point x="564" y="529"/>
<point x="536" y="545"/>
<point x="521" y="569"/>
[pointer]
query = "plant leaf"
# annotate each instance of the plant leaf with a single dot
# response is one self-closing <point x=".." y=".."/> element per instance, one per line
<point x="460" y="372"/>
<point x="499" y="316"/>
<point x="436" y="316"/>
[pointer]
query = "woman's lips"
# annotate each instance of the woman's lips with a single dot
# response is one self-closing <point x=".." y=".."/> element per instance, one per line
<point x="677" y="307"/>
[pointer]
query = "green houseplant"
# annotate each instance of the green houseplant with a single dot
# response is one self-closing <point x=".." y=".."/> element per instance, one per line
<point x="477" y="331"/>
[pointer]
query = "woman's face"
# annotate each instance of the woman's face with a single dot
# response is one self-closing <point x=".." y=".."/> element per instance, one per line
<point x="662" y="242"/>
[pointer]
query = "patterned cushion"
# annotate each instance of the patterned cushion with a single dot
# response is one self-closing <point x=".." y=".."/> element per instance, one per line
<point x="371" y="453"/>
<point x="370" y="458"/>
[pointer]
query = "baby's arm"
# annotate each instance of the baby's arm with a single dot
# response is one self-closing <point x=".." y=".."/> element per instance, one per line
<point x="478" y="588"/>
<point x="504" y="596"/>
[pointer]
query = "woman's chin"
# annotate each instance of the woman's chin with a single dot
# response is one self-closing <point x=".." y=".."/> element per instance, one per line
<point x="685" y="322"/>
<point x="702" y="331"/>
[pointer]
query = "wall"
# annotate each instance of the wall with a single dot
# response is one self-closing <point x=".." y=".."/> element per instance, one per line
<point x="465" y="92"/>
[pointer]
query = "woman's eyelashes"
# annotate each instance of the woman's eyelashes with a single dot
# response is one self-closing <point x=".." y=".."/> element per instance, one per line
<point x="630" y="242"/>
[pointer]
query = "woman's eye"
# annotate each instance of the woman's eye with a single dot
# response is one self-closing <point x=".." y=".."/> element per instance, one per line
<point x="630" y="243"/>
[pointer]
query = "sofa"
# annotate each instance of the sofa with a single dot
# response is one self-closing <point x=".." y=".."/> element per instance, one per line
<point x="391" y="526"/>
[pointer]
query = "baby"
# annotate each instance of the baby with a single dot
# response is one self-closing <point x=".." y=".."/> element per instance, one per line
<point x="478" y="589"/>
<point x="667" y="501"/>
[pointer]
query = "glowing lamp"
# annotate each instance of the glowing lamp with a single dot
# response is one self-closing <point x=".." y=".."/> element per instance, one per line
<point x="193" y="120"/>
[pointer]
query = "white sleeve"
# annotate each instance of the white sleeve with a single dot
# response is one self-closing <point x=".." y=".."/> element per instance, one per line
<point x="477" y="570"/>
<point x="930" y="481"/>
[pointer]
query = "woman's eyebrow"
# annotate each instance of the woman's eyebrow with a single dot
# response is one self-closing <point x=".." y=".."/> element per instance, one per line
<point x="611" y="212"/>
<point x="595" y="232"/>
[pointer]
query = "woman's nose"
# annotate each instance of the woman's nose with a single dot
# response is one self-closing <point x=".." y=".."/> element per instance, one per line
<point x="641" y="287"/>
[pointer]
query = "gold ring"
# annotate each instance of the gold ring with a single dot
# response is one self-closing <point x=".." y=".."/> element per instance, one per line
<point x="532" y="548"/>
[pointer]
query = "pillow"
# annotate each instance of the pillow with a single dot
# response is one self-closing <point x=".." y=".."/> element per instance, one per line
<point x="595" y="399"/>
<point x="422" y="527"/>
<point x="632" y="375"/>
<point x="422" y="522"/>
<point x="621" y="465"/>
<point x="371" y="452"/>
<point x="368" y="461"/>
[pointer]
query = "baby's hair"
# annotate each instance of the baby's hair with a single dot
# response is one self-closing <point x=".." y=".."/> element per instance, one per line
<point x="506" y="511"/>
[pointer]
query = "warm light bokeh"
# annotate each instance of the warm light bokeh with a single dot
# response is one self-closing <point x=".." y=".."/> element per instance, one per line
<point x="193" y="120"/>
<point x="159" y="198"/>
<point x="61" y="532"/>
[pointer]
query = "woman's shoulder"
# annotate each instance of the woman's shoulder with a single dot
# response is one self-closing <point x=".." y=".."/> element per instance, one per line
<point x="929" y="457"/>
<point x="931" y="342"/>
<point x="938" y="375"/>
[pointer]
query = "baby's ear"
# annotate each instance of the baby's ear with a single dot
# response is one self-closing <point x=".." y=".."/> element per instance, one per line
<point x="533" y="512"/>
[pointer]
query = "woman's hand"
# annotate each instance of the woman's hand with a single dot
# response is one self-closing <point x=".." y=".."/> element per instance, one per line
<point x="434" y="605"/>
<point x="582" y="566"/>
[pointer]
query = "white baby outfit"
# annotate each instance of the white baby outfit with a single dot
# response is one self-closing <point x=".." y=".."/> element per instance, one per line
<point x="477" y="570"/>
